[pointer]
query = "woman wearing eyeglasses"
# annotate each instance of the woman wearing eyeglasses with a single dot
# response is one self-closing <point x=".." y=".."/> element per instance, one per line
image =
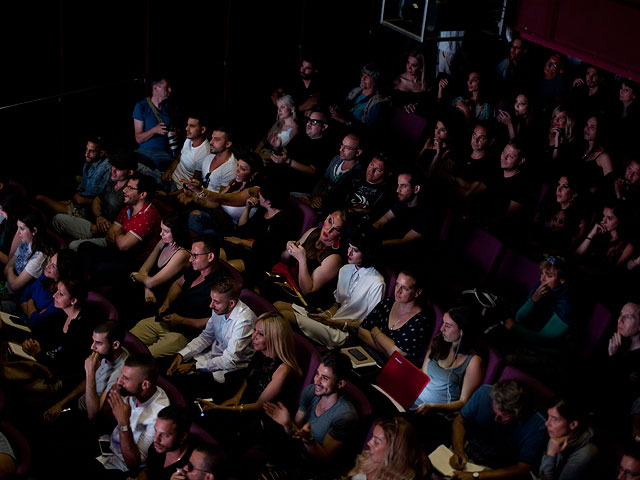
<point x="315" y="260"/>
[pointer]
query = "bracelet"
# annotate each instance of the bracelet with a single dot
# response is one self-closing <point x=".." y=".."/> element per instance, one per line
<point x="241" y="407"/>
<point x="309" y="441"/>
<point x="589" y="238"/>
<point x="202" y="193"/>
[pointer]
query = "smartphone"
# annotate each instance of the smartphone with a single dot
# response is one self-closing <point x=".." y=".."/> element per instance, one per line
<point x="357" y="354"/>
<point x="105" y="447"/>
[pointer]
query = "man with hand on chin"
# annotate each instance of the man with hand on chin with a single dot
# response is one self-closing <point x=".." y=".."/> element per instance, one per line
<point x="135" y="401"/>
<point x="324" y="418"/>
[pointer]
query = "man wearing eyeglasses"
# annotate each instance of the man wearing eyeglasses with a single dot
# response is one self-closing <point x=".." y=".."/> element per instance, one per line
<point x="205" y="463"/>
<point x="184" y="312"/>
<point x="306" y="156"/>
<point x="629" y="468"/>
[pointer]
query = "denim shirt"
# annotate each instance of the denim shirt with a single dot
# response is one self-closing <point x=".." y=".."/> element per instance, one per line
<point x="94" y="178"/>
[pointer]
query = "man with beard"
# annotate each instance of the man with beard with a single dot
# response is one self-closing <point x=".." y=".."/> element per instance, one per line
<point x="102" y="369"/>
<point x="219" y="167"/>
<point x="135" y="401"/>
<point x="223" y="347"/>
<point x="171" y="447"/>
<point x="306" y="89"/>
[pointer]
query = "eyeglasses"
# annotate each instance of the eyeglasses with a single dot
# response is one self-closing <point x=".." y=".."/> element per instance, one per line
<point x="195" y="255"/>
<point x="52" y="265"/>
<point x="189" y="467"/>
<point x="314" y="121"/>
<point x="129" y="187"/>
<point x="627" y="473"/>
<point x="347" y="147"/>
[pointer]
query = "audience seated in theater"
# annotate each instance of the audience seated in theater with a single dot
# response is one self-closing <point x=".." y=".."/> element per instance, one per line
<point x="260" y="238"/>
<point x="550" y="84"/>
<point x="272" y="375"/>
<point x="317" y="256"/>
<point x="135" y="401"/>
<point x="514" y="72"/>
<point x="27" y="261"/>
<point x="306" y="157"/>
<point x="394" y="452"/>
<point x="570" y="453"/>
<point x="172" y="446"/>
<point x="596" y="165"/>
<point x="11" y="201"/>
<point x="283" y="130"/>
<point x="472" y="171"/>
<point x="130" y="238"/>
<point x="607" y="244"/>
<point x="306" y="90"/>
<point x="435" y="160"/>
<point x="542" y="335"/>
<point x="60" y="350"/>
<point x="626" y="119"/>
<point x="344" y="166"/>
<point x="499" y="429"/>
<point x="588" y="95"/>
<point x="503" y="198"/>
<point x="207" y="365"/>
<point x="453" y="366"/>
<point x="474" y="104"/>
<point x="224" y="209"/>
<point x="405" y="227"/>
<point x="400" y="324"/>
<point x="368" y="195"/>
<point x="168" y="260"/>
<point x="37" y="305"/>
<point x="521" y="125"/>
<point x="219" y="166"/>
<point x="95" y="174"/>
<point x="188" y="165"/>
<point x="560" y="222"/>
<point x="153" y="119"/>
<point x="364" y="105"/>
<point x="627" y="187"/>
<point x="410" y="87"/>
<point x="105" y="206"/>
<point x="360" y="288"/>
<point x="102" y="369"/>
<point x="318" y="436"/>
<point x="184" y="312"/>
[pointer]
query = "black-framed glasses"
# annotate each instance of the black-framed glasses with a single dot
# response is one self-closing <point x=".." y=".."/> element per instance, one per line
<point x="129" y="187"/>
<point x="189" y="467"/>
<point x="314" y="121"/>
<point x="195" y="255"/>
<point x="627" y="473"/>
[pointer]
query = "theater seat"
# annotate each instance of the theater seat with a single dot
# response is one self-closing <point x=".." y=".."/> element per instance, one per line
<point x="256" y="303"/>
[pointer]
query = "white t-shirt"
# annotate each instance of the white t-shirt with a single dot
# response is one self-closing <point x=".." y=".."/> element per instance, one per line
<point x="190" y="161"/>
<point x="221" y="176"/>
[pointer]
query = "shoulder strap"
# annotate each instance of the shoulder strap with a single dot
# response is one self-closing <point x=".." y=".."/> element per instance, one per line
<point x="154" y="110"/>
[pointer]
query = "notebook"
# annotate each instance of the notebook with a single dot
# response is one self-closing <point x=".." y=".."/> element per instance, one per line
<point x="13" y="321"/>
<point x="401" y="380"/>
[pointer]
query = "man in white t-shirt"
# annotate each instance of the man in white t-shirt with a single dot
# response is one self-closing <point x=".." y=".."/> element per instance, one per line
<point x="196" y="147"/>
<point x="219" y="167"/>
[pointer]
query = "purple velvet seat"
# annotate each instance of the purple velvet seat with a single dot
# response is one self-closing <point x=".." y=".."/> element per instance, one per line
<point x="135" y="346"/>
<point x="256" y="303"/>
<point x="303" y="216"/>
<point x="105" y="308"/>
<point x="541" y="394"/>
<point x="308" y="359"/>
<point x="598" y="324"/>
<point x="407" y="128"/>
<point x="172" y="392"/>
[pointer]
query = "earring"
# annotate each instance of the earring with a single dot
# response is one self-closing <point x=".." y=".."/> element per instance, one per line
<point x="336" y="244"/>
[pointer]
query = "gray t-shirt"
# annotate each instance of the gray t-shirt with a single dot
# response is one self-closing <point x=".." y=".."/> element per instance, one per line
<point x="339" y="421"/>
<point x="106" y="376"/>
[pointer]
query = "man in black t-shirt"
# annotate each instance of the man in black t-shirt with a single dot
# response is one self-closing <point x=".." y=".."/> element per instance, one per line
<point x="185" y="311"/>
<point x="171" y="443"/>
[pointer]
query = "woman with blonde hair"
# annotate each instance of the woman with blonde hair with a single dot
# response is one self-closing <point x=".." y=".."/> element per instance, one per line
<point x="394" y="453"/>
<point x="283" y="130"/>
<point x="271" y="371"/>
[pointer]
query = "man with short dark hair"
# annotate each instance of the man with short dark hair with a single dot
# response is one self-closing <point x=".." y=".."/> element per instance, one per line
<point x="325" y="419"/>
<point x="306" y="89"/>
<point x="130" y="238"/>
<point x="102" y="369"/>
<point x="207" y="462"/>
<point x="223" y="347"/>
<point x="219" y="167"/>
<point x="171" y="447"/>
<point x="136" y="413"/>
<point x="95" y="174"/>
<point x="497" y="428"/>
<point x="153" y="119"/>
<point x="105" y="206"/>
<point x="629" y="467"/>
<point x="627" y="188"/>
<point x="185" y="311"/>
<point x="188" y="165"/>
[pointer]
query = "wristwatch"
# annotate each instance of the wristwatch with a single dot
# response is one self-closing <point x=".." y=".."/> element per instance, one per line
<point x="476" y="475"/>
<point x="124" y="428"/>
